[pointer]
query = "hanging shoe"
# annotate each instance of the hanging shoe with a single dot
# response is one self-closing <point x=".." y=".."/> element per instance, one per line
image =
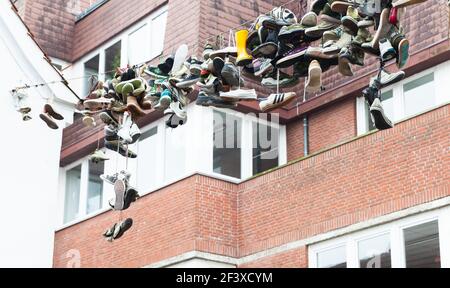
<point x="332" y="35"/>
<point x="49" y="120"/>
<point x="108" y="119"/>
<point x="98" y="156"/>
<point x="350" y="21"/>
<point x="387" y="52"/>
<point x="388" y="78"/>
<point x="276" y="100"/>
<point x="243" y="58"/>
<point x="314" y="82"/>
<point x="118" y="146"/>
<point x="87" y="120"/>
<point x="110" y="179"/>
<point x="122" y="227"/>
<point x="206" y="100"/>
<point x="379" y="118"/>
<point x="285" y="80"/>
<point x="207" y="50"/>
<point x="109" y="233"/>
<point x="164" y="100"/>
<point x="383" y="29"/>
<point x="131" y="196"/>
<point x="403" y="53"/>
<point x="239" y="94"/>
<point x="341" y="7"/>
<point x="55" y="115"/>
<point x="344" y="41"/>
<point x="124" y="131"/>
<point x="329" y="20"/>
<point x="230" y="74"/>
<point x="167" y="65"/>
<point x="264" y="68"/>
<point x="366" y="22"/>
<point x="295" y="55"/>
<point x="344" y="66"/>
<point x="225" y="52"/>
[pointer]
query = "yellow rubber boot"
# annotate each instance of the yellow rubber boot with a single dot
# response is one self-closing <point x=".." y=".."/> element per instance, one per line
<point x="243" y="57"/>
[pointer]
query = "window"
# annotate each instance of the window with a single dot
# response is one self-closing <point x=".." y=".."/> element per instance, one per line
<point x="158" y="33"/>
<point x="265" y="147"/>
<point x="410" y="97"/>
<point x="333" y="258"/>
<point x="138" y="50"/>
<point x="227" y="145"/>
<point x="422" y="246"/>
<point x="112" y="60"/>
<point x="83" y="190"/>
<point x="91" y="67"/>
<point x="147" y="161"/>
<point x="175" y="153"/>
<point x="419" y="241"/>
<point x="375" y="252"/>
<point x="72" y="197"/>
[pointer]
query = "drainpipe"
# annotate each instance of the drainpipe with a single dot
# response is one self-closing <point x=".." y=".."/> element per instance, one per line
<point x="306" y="135"/>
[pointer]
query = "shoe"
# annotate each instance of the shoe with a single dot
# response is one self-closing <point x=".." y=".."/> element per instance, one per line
<point x="387" y="52"/>
<point x="363" y="36"/>
<point x="268" y="46"/>
<point x="110" y="179"/>
<point x="117" y="146"/>
<point x="309" y="19"/>
<point x="383" y="29"/>
<point x="109" y="233"/>
<point x="366" y="22"/>
<point x="98" y="156"/>
<point x="403" y="53"/>
<point x="120" y="188"/>
<point x="50" y="111"/>
<point x="88" y="121"/>
<point x="195" y="66"/>
<point x="156" y="73"/>
<point x="218" y="64"/>
<point x="295" y="55"/>
<point x="188" y="81"/>
<point x="388" y="78"/>
<point x="317" y="53"/>
<point x="164" y="100"/>
<point x="207" y="50"/>
<point x="345" y="67"/>
<point x="340" y="6"/>
<point x="278" y="18"/>
<point x="379" y="117"/>
<point x="108" y="119"/>
<point x="176" y="108"/>
<point x="166" y="66"/>
<point x="243" y="58"/>
<point x="225" y="52"/>
<point x="314" y="82"/>
<point x="318" y="5"/>
<point x="344" y="41"/>
<point x="174" y="121"/>
<point x="264" y="68"/>
<point x="405" y="3"/>
<point x="276" y="100"/>
<point x="393" y="16"/>
<point x="121" y="228"/>
<point x="271" y="80"/>
<point x="328" y="21"/>
<point x="350" y="21"/>
<point x="49" y="121"/>
<point x="205" y="100"/>
<point x="131" y="196"/>
<point x="332" y="35"/>
<point x="134" y="108"/>
<point x="239" y="94"/>
<point x="124" y="131"/>
<point x="135" y="133"/>
<point x="230" y="75"/>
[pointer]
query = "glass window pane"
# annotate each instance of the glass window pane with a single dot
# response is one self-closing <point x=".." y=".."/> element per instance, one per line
<point x="112" y="59"/>
<point x="95" y="187"/>
<point x="158" y="34"/>
<point x="227" y="144"/>
<point x="422" y="246"/>
<point x="138" y="46"/>
<point x="147" y="169"/>
<point x="333" y="258"/>
<point x="265" y="147"/>
<point x="72" y="195"/>
<point x="91" y="67"/>
<point x="375" y="252"/>
<point x="175" y="153"/>
<point x="419" y="95"/>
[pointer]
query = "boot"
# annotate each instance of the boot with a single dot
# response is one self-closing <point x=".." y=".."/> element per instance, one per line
<point x="134" y="108"/>
<point x="243" y="57"/>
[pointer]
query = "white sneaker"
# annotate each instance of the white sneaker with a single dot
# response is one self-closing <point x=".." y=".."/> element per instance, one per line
<point x="276" y="100"/>
<point x="389" y="78"/>
<point x="240" y="94"/>
<point x="124" y="131"/>
<point x="135" y="133"/>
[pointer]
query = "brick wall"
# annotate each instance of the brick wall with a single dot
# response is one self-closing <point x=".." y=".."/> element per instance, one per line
<point x="345" y="185"/>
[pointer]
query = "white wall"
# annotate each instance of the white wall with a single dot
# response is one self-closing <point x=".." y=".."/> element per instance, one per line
<point x="30" y="150"/>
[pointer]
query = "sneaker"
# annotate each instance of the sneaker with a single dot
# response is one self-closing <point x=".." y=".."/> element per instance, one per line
<point x="387" y="78"/>
<point x="318" y="5"/>
<point x="387" y="52"/>
<point x="130" y="196"/>
<point x="295" y="55"/>
<point x="156" y="73"/>
<point x="230" y="75"/>
<point x="195" y="66"/>
<point x="344" y="41"/>
<point x="121" y="228"/>
<point x="276" y="100"/>
<point x="176" y="108"/>
<point x="345" y="67"/>
<point x="164" y="100"/>
<point x="108" y="119"/>
<point x="98" y="156"/>
<point x="120" y="188"/>
<point x="271" y="81"/>
<point x="314" y="82"/>
<point x="328" y="21"/>
<point x="117" y="146"/>
<point x="292" y="33"/>
<point x="208" y="49"/>
<point x="223" y="53"/>
<point x="268" y="46"/>
<point x="353" y="55"/>
<point x="124" y="131"/>
<point x="383" y="29"/>
<point x="188" y="81"/>
<point x="50" y="121"/>
<point x="341" y="7"/>
<point x="239" y="94"/>
<point x="309" y="19"/>
<point x="174" y="121"/>
<point x="332" y="35"/>
<point x="366" y="22"/>
<point x="379" y="117"/>
<point x="166" y="66"/>
<point x="110" y="179"/>
<point x="110" y="232"/>
<point x="50" y="111"/>
<point x="135" y="133"/>
<point x="88" y="121"/>
<point x="264" y="68"/>
<point x="317" y="53"/>
<point x="350" y="21"/>
<point x="362" y="36"/>
<point x="205" y="100"/>
<point x="403" y="53"/>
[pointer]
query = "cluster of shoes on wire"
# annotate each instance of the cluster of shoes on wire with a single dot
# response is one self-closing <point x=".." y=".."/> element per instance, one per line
<point x="345" y="30"/>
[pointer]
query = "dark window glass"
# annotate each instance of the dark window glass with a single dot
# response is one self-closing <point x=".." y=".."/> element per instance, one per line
<point x="265" y="148"/>
<point x="112" y="60"/>
<point x="422" y="246"/>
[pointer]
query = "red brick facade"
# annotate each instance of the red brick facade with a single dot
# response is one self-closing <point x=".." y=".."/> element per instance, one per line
<point x="339" y="186"/>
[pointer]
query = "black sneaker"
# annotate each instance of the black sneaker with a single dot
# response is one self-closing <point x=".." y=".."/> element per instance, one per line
<point x="121" y="228"/>
<point x="117" y="146"/>
<point x="379" y="117"/>
<point x="130" y="196"/>
<point x="188" y="81"/>
<point x="167" y="65"/>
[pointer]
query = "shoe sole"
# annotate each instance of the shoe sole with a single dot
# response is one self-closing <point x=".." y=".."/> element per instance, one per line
<point x="119" y="190"/>
<point x="291" y="59"/>
<point x="124" y="227"/>
<point x="351" y="25"/>
<point x="403" y="53"/>
<point x="230" y="77"/>
<point x="264" y="71"/>
<point x="108" y="120"/>
<point x="345" y="67"/>
<point x="380" y="121"/>
<point x="340" y="7"/>
<point x="265" y="49"/>
<point x="49" y="109"/>
<point x="50" y="123"/>
<point x="288" y="36"/>
<point x="314" y="79"/>
<point x="277" y="105"/>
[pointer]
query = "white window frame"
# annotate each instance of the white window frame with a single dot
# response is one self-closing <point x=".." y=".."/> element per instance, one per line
<point x="441" y="86"/>
<point x="84" y="187"/>
<point x="395" y="230"/>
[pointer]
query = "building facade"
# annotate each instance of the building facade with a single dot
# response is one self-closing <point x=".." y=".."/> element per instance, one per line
<point x="337" y="194"/>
